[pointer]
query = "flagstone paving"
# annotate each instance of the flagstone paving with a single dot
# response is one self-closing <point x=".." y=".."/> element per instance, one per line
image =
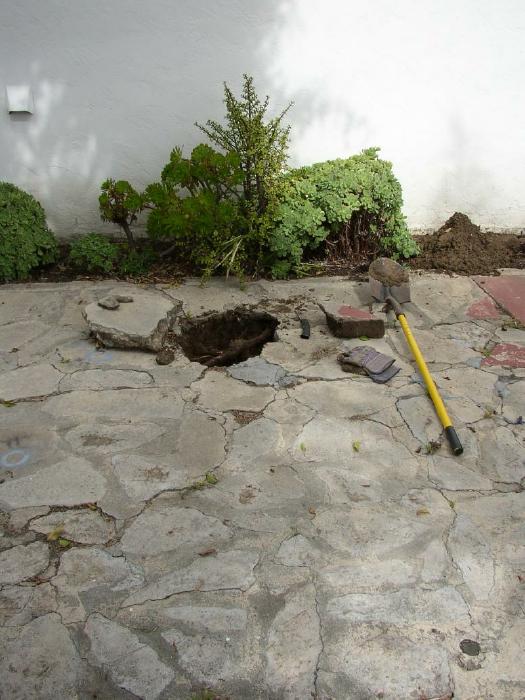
<point x="278" y="529"/>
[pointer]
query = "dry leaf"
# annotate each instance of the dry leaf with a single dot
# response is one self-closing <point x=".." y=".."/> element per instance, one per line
<point x="422" y="511"/>
<point x="55" y="534"/>
<point x="312" y="510"/>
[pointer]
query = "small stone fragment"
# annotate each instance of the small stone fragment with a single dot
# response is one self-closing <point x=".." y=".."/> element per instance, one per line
<point x="165" y="356"/>
<point x="109" y="302"/>
<point x="348" y="322"/>
<point x="22" y="562"/>
<point x="123" y="299"/>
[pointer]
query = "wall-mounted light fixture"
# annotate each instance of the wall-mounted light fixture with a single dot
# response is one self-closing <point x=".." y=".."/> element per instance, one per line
<point x="19" y="99"/>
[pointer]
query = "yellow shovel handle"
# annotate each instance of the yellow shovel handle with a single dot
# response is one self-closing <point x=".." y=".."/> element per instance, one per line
<point x="431" y="387"/>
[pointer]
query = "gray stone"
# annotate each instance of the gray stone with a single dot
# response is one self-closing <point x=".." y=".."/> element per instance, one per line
<point x="39" y="661"/>
<point x="68" y="483"/>
<point x="419" y="414"/>
<point x="163" y="529"/>
<point x="110" y="302"/>
<point x="83" y="526"/>
<point x="17" y="335"/>
<point x="348" y="322"/>
<point x="124" y="298"/>
<point x="22" y="562"/>
<point x="473" y="556"/>
<point x="220" y="392"/>
<point x="294" y="645"/>
<point x="107" y="439"/>
<point x="143" y="324"/>
<point x="105" y="379"/>
<point x="449" y="474"/>
<point x="92" y="580"/>
<point x="20" y="517"/>
<point x="256" y="370"/>
<point x="29" y="382"/>
<point x="21" y="604"/>
<point x="130" y="664"/>
<point x="143" y="477"/>
<point x="226" y="570"/>
<point x="165" y="357"/>
<point x="210" y="642"/>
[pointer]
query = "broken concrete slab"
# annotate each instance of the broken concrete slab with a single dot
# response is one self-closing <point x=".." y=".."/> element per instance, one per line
<point x="143" y="324"/>
<point x="130" y="663"/>
<point x="219" y="392"/>
<point x="29" y="382"/>
<point x="21" y="604"/>
<point x="348" y="322"/>
<point x="105" y="379"/>
<point x="23" y="562"/>
<point x="258" y="371"/>
<point x="83" y="526"/>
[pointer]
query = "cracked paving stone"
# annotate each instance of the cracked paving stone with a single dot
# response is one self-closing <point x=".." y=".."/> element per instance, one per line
<point x="130" y="404"/>
<point x="29" y="382"/>
<point x="226" y="570"/>
<point x="131" y="664"/>
<point x="294" y="645"/>
<point x="473" y="556"/>
<point x="92" y="580"/>
<point x="39" y="661"/>
<point x="453" y="476"/>
<point x="83" y="526"/>
<point x="99" y="438"/>
<point x="474" y="384"/>
<point x="371" y="661"/>
<point x="21" y="604"/>
<point x="68" y="483"/>
<point x="258" y="371"/>
<point x="220" y="392"/>
<point x="16" y="335"/>
<point x="435" y="349"/>
<point x="513" y="402"/>
<point x="211" y="642"/>
<point x="105" y="379"/>
<point x="502" y="455"/>
<point x="420" y="416"/>
<point x="164" y="528"/>
<point x="22" y="562"/>
<point x="344" y="399"/>
<point x="144" y="477"/>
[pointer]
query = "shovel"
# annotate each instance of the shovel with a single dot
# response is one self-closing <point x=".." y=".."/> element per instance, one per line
<point x="389" y="280"/>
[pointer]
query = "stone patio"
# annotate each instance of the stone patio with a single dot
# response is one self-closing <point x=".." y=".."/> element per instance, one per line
<point x="273" y="530"/>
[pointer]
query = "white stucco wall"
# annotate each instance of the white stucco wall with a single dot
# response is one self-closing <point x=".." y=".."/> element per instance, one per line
<point x="439" y="85"/>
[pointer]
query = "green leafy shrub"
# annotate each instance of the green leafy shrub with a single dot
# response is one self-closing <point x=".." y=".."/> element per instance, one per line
<point x="136" y="263"/>
<point x="353" y="204"/>
<point x="195" y="206"/>
<point x="25" y="240"/>
<point x="94" y="253"/>
<point x="120" y="203"/>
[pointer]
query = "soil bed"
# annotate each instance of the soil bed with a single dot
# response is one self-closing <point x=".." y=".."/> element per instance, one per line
<point x="222" y="339"/>
<point x="460" y="246"/>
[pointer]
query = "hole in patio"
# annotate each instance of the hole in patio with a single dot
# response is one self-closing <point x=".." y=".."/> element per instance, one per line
<point x="223" y="339"/>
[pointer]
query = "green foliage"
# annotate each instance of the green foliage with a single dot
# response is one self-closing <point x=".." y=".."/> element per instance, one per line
<point x="353" y="204"/>
<point x="25" y="240"/>
<point x="136" y="263"/>
<point x="94" y="253"/>
<point x="261" y="145"/>
<point x="120" y="204"/>
<point x="196" y="205"/>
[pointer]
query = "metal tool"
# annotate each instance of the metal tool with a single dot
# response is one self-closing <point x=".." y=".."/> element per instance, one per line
<point x="383" y="292"/>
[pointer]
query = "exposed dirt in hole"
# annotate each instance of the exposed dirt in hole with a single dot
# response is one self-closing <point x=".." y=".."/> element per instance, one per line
<point x="222" y="339"/>
<point x="460" y="246"/>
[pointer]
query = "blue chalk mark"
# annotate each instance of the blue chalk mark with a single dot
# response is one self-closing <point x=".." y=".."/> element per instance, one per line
<point x="14" y="458"/>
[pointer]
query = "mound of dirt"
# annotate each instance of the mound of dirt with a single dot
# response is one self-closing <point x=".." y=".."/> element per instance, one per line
<point x="460" y="246"/>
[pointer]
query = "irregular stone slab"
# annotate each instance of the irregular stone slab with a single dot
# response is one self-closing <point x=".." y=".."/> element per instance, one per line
<point x="414" y="607"/>
<point x="473" y="557"/>
<point x="103" y="439"/>
<point x="294" y="645"/>
<point x="210" y="642"/>
<point x="345" y="398"/>
<point x="220" y="392"/>
<point x="83" y="526"/>
<point x="68" y="483"/>
<point x="448" y="474"/>
<point x="226" y="570"/>
<point x="21" y="604"/>
<point x="513" y="404"/>
<point x="362" y="661"/>
<point x="447" y="351"/>
<point x="419" y="414"/>
<point x="144" y="477"/>
<point x="508" y="291"/>
<point x="468" y="334"/>
<point x="501" y="455"/>
<point x="91" y="579"/>
<point x="505" y="355"/>
<point x="143" y="324"/>
<point x="130" y="664"/>
<point x="168" y="528"/>
<point x="474" y="384"/>
<point x="19" y="518"/>
<point x="258" y="371"/>
<point x="106" y="379"/>
<point x="29" y="382"/>
<point x="348" y="322"/>
<point x="16" y="335"/>
<point x="22" y="562"/>
<point x="39" y="661"/>
<point x="128" y="404"/>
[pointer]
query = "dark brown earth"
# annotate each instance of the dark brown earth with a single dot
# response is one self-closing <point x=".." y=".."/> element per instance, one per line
<point x="460" y="246"/>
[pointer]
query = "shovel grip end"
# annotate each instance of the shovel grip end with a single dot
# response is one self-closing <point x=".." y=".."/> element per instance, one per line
<point x="454" y="441"/>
